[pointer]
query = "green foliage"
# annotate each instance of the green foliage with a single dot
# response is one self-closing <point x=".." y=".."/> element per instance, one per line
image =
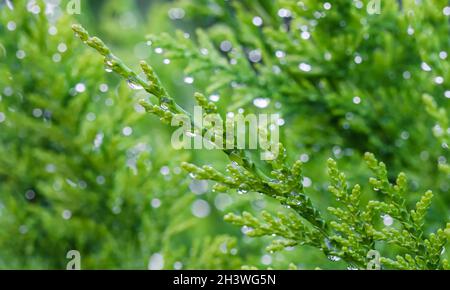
<point x="352" y="233"/>
<point x="82" y="169"/>
<point x="77" y="171"/>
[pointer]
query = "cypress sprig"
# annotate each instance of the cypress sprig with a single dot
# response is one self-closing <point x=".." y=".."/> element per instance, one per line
<point x="353" y="230"/>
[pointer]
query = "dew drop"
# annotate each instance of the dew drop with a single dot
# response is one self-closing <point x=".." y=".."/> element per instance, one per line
<point x="200" y="208"/>
<point x="261" y="102"/>
<point x="387" y="220"/>
<point x="425" y="66"/>
<point x="66" y="214"/>
<point x="11" y="26"/>
<point x="156" y="203"/>
<point x="189" y="80"/>
<point x="257" y="21"/>
<point x="305" y="67"/>
<point x="156" y="262"/>
<point x="266" y="260"/>
<point x="199" y="186"/>
<point x="133" y="85"/>
<point x="9" y="4"/>
<point x="108" y="66"/>
<point x="334" y="258"/>
<point x="214" y="98"/>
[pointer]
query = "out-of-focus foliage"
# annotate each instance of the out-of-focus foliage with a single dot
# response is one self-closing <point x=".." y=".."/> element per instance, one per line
<point x="79" y="168"/>
<point x="82" y="168"/>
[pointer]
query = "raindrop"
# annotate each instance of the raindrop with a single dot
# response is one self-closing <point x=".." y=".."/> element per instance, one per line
<point x="127" y="131"/>
<point x="9" y="4"/>
<point x="439" y="80"/>
<point x="284" y="13"/>
<point x="266" y="260"/>
<point x="91" y="117"/>
<point x="109" y="66"/>
<point x="200" y="208"/>
<point x="214" y="98"/>
<point x="56" y="57"/>
<point x="98" y="140"/>
<point x="304" y="158"/>
<point x="357" y="100"/>
<point x="178" y="265"/>
<point x="222" y="201"/>
<point x="80" y="88"/>
<point x="37" y="113"/>
<point x="305" y="67"/>
<point x="30" y="195"/>
<point x="334" y="258"/>
<point x="276" y="69"/>
<point x="62" y="47"/>
<point x="100" y="180"/>
<point x="20" y="54"/>
<point x="189" y="80"/>
<point x="446" y="11"/>
<point x="280" y="54"/>
<point x="50" y="168"/>
<point x="245" y="230"/>
<point x="281" y="122"/>
<point x="406" y="75"/>
<point x="425" y="66"/>
<point x="156" y="262"/>
<point x="23" y="229"/>
<point x="52" y="30"/>
<point x="307" y="182"/>
<point x="165" y="170"/>
<point x="116" y="209"/>
<point x="226" y="46"/>
<point x="404" y="135"/>
<point x="66" y="214"/>
<point x="305" y="35"/>
<point x="176" y="13"/>
<point x="156" y="203"/>
<point x="261" y="103"/>
<point x="257" y="21"/>
<point x="11" y="26"/>
<point x="223" y="247"/>
<point x="134" y="85"/>
<point x="198" y="186"/>
<point x="387" y="220"/>
<point x="243" y="189"/>
<point x="103" y="88"/>
<point x="255" y="55"/>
